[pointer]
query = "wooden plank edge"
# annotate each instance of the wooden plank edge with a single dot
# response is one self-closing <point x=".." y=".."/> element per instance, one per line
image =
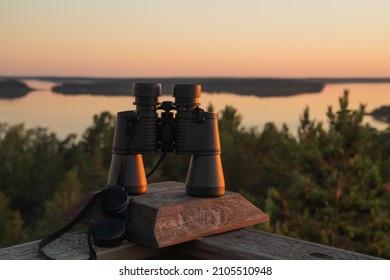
<point x="73" y="246"/>
<point x="253" y="244"/>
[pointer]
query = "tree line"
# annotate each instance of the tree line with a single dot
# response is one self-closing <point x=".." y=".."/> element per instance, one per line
<point x="328" y="184"/>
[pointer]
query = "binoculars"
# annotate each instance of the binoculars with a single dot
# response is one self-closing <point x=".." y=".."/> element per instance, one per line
<point x="181" y="127"/>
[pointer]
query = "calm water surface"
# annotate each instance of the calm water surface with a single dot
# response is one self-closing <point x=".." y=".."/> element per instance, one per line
<point x="64" y="114"/>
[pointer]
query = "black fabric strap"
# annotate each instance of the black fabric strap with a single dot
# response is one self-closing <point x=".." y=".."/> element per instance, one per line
<point x="92" y="254"/>
<point x="95" y="201"/>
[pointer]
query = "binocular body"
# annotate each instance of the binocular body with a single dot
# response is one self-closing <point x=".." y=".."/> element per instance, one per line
<point x="182" y="127"/>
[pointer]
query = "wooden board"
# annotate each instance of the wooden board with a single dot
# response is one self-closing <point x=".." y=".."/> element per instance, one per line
<point x="73" y="246"/>
<point x="247" y="244"/>
<point x="166" y="216"/>
<point x="239" y="244"/>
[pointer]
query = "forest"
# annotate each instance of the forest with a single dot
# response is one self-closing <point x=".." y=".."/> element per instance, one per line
<point x="329" y="184"/>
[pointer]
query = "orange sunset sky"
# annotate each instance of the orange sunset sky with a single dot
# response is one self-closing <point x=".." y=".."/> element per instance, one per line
<point x="256" y="38"/>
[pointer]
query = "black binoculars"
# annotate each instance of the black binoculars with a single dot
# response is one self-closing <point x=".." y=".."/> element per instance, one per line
<point x="182" y="127"/>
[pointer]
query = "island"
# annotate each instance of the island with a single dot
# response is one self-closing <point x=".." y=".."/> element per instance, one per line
<point x="261" y="87"/>
<point x="10" y="89"/>
<point x="381" y="114"/>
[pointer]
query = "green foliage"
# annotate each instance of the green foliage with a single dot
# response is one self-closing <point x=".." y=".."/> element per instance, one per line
<point x="336" y="194"/>
<point x="67" y="194"/>
<point x="29" y="168"/>
<point x="11" y="223"/>
<point x="95" y="150"/>
<point x="42" y="175"/>
<point x="326" y="185"/>
<point x="253" y="162"/>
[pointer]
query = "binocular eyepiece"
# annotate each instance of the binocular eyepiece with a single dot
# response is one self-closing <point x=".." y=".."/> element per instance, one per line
<point x="187" y="95"/>
<point x="182" y="127"/>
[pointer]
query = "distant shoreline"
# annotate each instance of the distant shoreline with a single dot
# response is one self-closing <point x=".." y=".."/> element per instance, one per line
<point x="260" y="87"/>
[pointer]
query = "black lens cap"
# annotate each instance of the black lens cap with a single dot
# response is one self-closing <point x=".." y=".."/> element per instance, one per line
<point x="114" y="200"/>
<point x="109" y="232"/>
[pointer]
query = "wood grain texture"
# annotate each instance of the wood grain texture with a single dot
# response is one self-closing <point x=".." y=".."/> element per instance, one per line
<point x="251" y="244"/>
<point x="165" y="216"/>
<point x="74" y="246"/>
<point x="238" y="244"/>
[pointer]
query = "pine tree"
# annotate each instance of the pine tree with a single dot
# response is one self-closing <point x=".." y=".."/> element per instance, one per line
<point x="335" y="195"/>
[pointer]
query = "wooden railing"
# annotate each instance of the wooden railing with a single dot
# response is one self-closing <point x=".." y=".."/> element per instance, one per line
<point x="167" y="224"/>
<point x="237" y="244"/>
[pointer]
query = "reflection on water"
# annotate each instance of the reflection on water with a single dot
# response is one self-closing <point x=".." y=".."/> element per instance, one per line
<point x="66" y="114"/>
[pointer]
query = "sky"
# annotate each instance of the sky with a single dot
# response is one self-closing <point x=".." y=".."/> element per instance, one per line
<point x="167" y="38"/>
